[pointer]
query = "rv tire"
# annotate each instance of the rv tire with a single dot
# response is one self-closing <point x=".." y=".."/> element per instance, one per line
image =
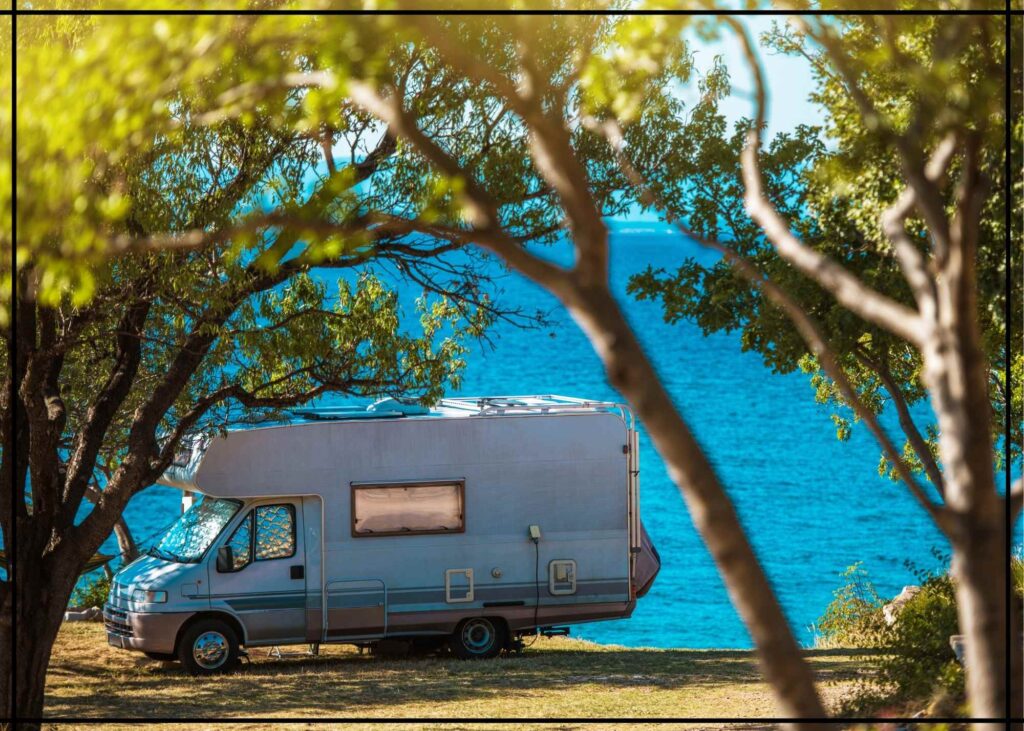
<point x="208" y="647"/>
<point x="478" y="638"/>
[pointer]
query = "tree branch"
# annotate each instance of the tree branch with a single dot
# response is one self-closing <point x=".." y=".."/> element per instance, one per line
<point x="481" y="210"/>
<point x="915" y="269"/>
<point x="847" y="288"/>
<point x="929" y="197"/>
<point x="39" y="395"/>
<point x="100" y="414"/>
<point x="807" y="328"/>
<point x="459" y="58"/>
<point x="906" y="420"/>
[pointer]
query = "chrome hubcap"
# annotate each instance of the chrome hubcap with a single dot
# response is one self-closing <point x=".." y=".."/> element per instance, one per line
<point x="210" y="650"/>
<point x="478" y="635"/>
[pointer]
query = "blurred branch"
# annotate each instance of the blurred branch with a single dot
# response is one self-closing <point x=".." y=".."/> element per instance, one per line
<point x="928" y="196"/>
<point x="229" y="102"/>
<point x="458" y="57"/>
<point x="915" y="268"/>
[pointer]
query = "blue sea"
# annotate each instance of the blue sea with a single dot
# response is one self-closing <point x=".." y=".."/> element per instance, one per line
<point x="811" y="504"/>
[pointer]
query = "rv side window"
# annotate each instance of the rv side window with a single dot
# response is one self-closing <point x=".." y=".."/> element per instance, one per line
<point x="241" y="544"/>
<point x="408" y="509"/>
<point x="275" y="531"/>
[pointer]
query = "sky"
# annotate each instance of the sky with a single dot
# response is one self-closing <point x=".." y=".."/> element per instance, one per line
<point x="788" y="79"/>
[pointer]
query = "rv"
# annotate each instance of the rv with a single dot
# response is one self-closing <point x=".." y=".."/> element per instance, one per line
<point x="471" y="523"/>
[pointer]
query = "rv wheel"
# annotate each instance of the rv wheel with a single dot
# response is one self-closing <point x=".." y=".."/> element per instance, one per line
<point x="208" y="647"/>
<point x="477" y="638"/>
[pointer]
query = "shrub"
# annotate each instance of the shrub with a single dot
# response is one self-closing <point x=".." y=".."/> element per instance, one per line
<point x="852" y="617"/>
<point x="916" y="665"/>
<point x="91" y="592"/>
<point x="919" y="662"/>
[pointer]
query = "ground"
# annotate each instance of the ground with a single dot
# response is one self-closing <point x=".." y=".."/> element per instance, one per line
<point x="555" y="678"/>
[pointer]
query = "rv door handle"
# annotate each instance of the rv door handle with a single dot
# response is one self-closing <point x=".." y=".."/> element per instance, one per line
<point x="298" y="572"/>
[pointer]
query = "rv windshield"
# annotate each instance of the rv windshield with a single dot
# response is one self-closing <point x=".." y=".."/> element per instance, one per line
<point x="187" y="540"/>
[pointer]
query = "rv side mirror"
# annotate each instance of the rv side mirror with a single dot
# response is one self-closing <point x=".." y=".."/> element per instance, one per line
<point x="225" y="560"/>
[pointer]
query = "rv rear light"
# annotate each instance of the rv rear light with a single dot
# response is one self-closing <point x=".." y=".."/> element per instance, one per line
<point x="144" y="596"/>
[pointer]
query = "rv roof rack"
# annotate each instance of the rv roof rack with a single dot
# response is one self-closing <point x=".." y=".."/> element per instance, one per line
<point x="497" y="405"/>
<point x="385" y="408"/>
<point x="344" y="415"/>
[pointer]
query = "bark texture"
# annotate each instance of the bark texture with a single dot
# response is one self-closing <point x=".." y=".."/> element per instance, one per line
<point x="713" y="514"/>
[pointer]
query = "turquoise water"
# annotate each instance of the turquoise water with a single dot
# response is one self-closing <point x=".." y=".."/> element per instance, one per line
<point x="811" y="504"/>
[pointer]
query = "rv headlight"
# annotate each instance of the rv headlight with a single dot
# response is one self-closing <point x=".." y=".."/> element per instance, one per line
<point x="144" y="596"/>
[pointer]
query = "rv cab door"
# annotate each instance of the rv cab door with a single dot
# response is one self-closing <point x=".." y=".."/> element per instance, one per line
<point x="264" y="585"/>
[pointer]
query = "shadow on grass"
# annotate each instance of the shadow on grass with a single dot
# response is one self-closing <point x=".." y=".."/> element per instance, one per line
<point x="110" y="683"/>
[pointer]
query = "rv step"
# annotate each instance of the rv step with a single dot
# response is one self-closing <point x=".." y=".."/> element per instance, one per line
<point x="312" y="650"/>
<point x="554" y="631"/>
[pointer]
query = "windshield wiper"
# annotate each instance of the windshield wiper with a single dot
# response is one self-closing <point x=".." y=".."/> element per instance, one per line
<point x="165" y="555"/>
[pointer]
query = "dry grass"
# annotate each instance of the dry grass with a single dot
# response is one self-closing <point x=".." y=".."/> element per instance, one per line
<point x="555" y="678"/>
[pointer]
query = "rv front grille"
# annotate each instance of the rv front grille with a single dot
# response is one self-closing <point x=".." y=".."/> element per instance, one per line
<point x="116" y="621"/>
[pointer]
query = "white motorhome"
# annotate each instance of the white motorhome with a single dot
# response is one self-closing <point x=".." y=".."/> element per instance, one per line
<point x="474" y="522"/>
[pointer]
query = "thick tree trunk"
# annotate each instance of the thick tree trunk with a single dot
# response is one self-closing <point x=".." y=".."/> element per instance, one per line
<point x="42" y="598"/>
<point x="6" y="666"/>
<point x="956" y="373"/>
<point x="979" y="568"/>
<point x="1016" y="658"/>
<point x="632" y="374"/>
<point x="46" y="577"/>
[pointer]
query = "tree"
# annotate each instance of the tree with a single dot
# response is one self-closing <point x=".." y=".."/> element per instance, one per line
<point x="180" y="336"/>
<point x="834" y="199"/>
<point x="617" y="72"/>
<point x="893" y="89"/>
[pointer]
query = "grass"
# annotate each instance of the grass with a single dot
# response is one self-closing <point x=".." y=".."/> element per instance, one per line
<point x="555" y="678"/>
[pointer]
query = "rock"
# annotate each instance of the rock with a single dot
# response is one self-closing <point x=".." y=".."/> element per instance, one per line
<point x="958" y="642"/>
<point x="92" y="614"/>
<point x="892" y="610"/>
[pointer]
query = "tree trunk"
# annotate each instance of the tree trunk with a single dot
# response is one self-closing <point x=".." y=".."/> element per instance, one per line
<point x="632" y="374"/>
<point x="956" y="374"/>
<point x="1016" y="657"/>
<point x="125" y="541"/>
<point x="6" y="664"/>
<point x="980" y="555"/>
<point x="42" y="598"/>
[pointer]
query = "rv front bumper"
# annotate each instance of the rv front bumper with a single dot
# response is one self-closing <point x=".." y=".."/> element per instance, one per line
<point x="143" y="631"/>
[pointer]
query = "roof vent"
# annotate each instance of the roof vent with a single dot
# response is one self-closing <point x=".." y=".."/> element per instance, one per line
<point x="406" y="407"/>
